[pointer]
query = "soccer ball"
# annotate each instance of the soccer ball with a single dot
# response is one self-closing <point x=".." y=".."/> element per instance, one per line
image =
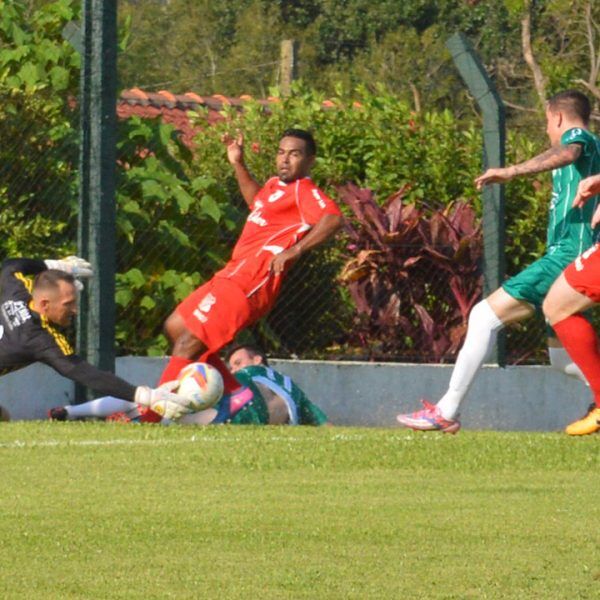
<point x="202" y="384"/>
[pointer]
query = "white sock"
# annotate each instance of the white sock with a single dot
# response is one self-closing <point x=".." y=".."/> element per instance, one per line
<point x="561" y="361"/>
<point x="99" y="408"/>
<point x="482" y="331"/>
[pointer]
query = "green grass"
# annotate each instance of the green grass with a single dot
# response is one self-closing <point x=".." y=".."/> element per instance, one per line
<point x="116" y="511"/>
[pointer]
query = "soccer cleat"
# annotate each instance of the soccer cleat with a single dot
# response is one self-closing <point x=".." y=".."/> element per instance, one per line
<point x="118" y="417"/>
<point x="586" y="425"/>
<point x="58" y="413"/>
<point x="428" y="418"/>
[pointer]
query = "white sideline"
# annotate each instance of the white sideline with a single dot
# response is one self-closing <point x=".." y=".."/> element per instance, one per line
<point x="20" y="444"/>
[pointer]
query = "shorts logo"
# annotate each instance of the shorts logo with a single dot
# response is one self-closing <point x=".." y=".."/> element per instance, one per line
<point x="204" y="307"/>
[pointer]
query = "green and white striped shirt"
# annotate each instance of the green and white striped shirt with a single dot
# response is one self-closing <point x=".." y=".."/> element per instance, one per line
<point x="569" y="228"/>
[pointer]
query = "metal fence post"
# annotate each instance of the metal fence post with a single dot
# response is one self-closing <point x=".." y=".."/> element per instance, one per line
<point x="96" y="236"/>
<point x="483" y="90"/>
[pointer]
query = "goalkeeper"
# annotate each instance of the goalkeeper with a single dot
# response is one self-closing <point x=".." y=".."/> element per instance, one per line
<point x="37" y="299"/>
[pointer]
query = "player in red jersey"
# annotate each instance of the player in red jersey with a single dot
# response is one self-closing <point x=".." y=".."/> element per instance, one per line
<point x="573" y="293"/>
<point x="289" y="216"/>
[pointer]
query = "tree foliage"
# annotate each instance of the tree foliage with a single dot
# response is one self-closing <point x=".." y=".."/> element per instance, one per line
<point x="38" y="128"/>
<point x="233" y="48"/>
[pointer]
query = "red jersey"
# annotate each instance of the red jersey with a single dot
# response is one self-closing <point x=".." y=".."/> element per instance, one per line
<point x="281" y="214"/>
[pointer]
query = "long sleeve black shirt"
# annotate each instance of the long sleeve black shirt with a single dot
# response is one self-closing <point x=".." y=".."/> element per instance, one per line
<point x="27" y="337"/>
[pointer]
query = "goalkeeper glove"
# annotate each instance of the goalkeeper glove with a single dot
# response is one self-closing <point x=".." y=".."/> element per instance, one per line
<point x="163" y="401"/>
<point x="78" y="267"/>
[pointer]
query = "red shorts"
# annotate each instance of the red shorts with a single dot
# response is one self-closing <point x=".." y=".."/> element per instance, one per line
<point x="218" y="310"/>
<point x="583" y="274"/>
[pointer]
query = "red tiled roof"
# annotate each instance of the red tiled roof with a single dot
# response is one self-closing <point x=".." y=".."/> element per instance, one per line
<point x="173" y="108"/>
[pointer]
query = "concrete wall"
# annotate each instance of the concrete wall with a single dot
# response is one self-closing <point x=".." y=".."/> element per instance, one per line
<point x="352" y="393"/>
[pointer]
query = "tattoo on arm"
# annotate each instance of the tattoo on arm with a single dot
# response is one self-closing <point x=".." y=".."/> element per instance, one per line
<point x="553" y="158"/>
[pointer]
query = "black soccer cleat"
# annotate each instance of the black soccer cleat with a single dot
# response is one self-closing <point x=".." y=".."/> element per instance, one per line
<point x="58" y="413"/>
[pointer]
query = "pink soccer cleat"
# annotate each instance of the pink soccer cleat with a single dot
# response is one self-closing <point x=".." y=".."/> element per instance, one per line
<point x="428" y="418"/>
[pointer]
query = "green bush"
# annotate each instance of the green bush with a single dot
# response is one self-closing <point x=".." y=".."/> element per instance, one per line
<point x="38" y="128"/>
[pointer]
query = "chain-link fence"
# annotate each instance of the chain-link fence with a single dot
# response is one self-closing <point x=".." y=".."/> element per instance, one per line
<point x="164" y="252"/>
<point x="403" y="298"/>
<point x="399" y="297"/>
<point x="38" y="175"/>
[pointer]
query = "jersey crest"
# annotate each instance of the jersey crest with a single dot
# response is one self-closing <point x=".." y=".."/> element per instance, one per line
<point x="275" y="196"/>
<point x="15" y="313"/>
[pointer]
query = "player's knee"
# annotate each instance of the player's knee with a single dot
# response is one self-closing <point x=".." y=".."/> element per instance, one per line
<point x="550" y="309"/>
<point x="477" y="310"/>
<point x="482" y="319"/>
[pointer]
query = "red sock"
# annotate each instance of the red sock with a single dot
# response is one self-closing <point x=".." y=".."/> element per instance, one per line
<point x="175" y="364"/>
<point x="581" y="342"/>
<point x="231" y="384"/>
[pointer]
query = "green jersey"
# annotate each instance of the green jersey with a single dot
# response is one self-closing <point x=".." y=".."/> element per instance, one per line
<point x="301" y="411"/>
<point x="569" y="229"/>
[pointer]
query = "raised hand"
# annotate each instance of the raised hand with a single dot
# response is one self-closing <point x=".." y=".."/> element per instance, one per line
<point x="235" y="147"/>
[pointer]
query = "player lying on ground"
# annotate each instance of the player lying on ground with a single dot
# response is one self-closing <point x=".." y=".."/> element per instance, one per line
<point x="289" y="216"/>
<point x="574" y="155"/>
<point x="32" y="313"/>
<point x="575" y="291"/>
<point x="277" y="400"/>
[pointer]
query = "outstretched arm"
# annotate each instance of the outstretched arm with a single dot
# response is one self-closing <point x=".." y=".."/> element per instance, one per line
<point x="26" y="266"/>
<point x="78" y="267"/>
<point x="553" y="158"/>
<point x="235" y="155"/>
<point x="77" y="369"/>
<point x="323" y="230"/>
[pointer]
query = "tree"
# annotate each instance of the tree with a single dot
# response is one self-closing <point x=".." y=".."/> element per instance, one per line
<point x="38" y="126"/>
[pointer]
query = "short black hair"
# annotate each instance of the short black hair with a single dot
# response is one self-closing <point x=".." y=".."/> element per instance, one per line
<point x="573" y="102"/>
<point x="302" y="134"/>
<point x="251" y="350"/>
<point x="50" y="279"/>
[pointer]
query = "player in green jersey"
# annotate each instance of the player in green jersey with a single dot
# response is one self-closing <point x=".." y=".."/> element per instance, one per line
<point x="277" y="399"/>
<point x="574" y="155"/>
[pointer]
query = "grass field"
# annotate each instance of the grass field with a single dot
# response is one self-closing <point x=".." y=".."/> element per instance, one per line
<point x="123" y="511"/>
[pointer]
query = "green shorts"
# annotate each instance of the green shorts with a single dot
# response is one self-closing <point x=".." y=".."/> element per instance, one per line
<point x="532" y="284"/>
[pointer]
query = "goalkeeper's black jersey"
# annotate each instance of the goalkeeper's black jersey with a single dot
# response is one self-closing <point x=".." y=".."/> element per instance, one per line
<point x="27" y="337"/>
